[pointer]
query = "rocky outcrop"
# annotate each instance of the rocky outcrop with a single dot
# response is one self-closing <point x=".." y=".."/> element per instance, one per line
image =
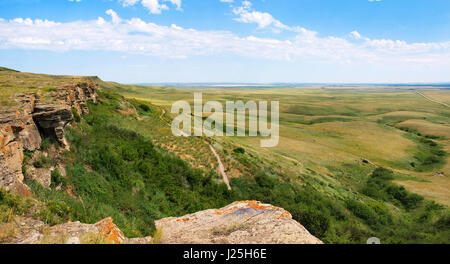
<point x="245" y="222"/>
<point x="18" y="132"/>
<point x="33" y="114"/>
<point x="31" y="231"/>
<point x="52" y="119"/>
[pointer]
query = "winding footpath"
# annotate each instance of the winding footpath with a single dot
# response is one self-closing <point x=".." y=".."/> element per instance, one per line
<point x="221" y="167"/>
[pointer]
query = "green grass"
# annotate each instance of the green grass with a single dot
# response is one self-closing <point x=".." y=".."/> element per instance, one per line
<point x="428" y="155"/>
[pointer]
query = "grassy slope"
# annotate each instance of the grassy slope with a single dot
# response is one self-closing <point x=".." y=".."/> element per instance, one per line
<point x="12" y="82"/>
<point x="135" y="178"/>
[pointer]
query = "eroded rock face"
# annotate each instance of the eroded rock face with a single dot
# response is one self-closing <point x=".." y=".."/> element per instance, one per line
<point x="246" y="222"/>
<point x="18" y="132"/>
<point x="52" y="119"/>
<point x="21" y="124"/>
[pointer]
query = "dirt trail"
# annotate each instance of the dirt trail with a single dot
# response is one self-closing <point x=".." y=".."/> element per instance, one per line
<point x="221" y="167"/>
<point x="163" y="112"/>
<point x="432" y="100"/>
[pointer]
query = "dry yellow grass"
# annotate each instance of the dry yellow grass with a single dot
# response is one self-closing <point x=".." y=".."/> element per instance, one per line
<point x="408" y="114"/>
<point x="7" y="231"/>
<point x="441" y="96"/>
<point x="437" y="188"/>
<point x="427" y="128"/>
<point x="364" y="139"/>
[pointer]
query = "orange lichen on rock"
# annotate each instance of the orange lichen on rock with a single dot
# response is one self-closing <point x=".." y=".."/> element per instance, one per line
<point x="111" y="231"/>
<point x="4" y="136"/>
<point x="286" y="214"/>
<point x="2" y="143"/>
<point x="252" y="204"/>
<point x="241" y="222"/>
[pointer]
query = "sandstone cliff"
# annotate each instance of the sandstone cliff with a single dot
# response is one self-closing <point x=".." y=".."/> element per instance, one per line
<point x="33" y="115"/>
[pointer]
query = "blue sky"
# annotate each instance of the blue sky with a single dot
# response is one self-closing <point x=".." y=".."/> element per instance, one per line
<point x="134" y="41"/>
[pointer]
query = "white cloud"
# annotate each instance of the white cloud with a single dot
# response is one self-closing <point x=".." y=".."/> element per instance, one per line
<point x="226" y="1"/>
<point x="355" y="34"/>
<point x="264" y="19"/>
<point x="154" y="6"/>
<point x="135" y="36"/>
<point x="246" y="15"/>
<point x="129" y="2"/>
<point x="115" y="18"/>
<point x="75" y="1"/>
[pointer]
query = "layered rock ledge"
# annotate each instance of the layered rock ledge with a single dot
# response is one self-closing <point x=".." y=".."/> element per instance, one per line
<point x="33" y="115"/>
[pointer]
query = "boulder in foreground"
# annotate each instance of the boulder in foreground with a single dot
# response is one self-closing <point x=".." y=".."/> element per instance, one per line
<point x="244" y="222"/>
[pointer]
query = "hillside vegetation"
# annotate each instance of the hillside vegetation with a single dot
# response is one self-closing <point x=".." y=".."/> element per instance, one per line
<point x="124" y="163"/>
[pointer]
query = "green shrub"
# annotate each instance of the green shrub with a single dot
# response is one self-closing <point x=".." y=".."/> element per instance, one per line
<point x="239" y="150"/>
<point x="315" y="222"/>
<point x="407" y="199"/>
<point x="443" y="223"/>
<point x="76" y="116"/>
<point x="144" y="107"/>
<point x="45" y="143"/>
<point x="57" y="180"/>
<point x="12" y="204"/>
<point x="379" y="187"/>
<point x="55" y="212"/>
<point x="42" y="162"/>
<point x="362" y="211"/>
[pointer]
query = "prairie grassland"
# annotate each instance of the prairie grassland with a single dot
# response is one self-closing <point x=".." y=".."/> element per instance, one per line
<point x="433" y="188"/>
<point x="441" y="96"/>
<point x="325" y="129"/>
<point x="403" y="115"/>
<point x="427" y="128"/>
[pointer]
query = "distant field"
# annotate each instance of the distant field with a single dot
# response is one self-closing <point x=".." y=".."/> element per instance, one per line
<point x="442" y="96"/>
